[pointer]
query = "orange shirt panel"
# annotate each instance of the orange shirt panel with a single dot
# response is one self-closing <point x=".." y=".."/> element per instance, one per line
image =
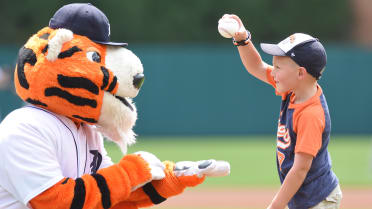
<point x="309" y="126"/>
<point x="270" y="78"/>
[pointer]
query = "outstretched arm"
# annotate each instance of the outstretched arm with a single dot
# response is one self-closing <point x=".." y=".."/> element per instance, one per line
<point x="249" y="55"/>
<point x="104" y="189"/>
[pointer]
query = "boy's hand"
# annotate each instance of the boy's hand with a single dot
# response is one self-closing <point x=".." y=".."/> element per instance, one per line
<point x="242" y="33"/>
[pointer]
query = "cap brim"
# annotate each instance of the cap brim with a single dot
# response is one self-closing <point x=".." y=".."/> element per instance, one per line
<point x="111" y="43"/>
<point x="272" y="49"/>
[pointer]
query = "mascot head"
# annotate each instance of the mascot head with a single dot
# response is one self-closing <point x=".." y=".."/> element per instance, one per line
<point x="71" y="68"/>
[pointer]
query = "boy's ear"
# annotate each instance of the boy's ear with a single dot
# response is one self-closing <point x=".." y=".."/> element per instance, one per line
<point x="301" y="73"/>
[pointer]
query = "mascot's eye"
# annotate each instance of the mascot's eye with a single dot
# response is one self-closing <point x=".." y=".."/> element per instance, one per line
<point x="94" y="57"/>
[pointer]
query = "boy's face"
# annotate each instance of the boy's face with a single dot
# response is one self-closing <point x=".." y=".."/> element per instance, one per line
<point x="285" y="73"/>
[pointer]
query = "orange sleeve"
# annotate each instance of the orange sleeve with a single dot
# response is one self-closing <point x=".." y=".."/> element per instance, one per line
<point x="158" y="191"/>
<point x="125" y="205"/>
<point x="105" y="189"/>
<point x="310" y="126"/>
<point x="269" y="77"/>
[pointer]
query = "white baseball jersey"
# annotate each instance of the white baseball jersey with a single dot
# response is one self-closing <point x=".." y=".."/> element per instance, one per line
<point x="39" y="148"/>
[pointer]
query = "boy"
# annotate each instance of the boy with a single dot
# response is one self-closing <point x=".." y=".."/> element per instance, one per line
<point x="303" y="162"/>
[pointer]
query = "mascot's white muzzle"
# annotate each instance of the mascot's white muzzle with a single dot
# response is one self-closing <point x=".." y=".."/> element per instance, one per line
<point x="127" y="67"/>
<point x="118" y="113"/>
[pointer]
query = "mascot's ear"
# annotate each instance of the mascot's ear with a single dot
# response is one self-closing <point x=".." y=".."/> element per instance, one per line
<point x="55" y="44"/>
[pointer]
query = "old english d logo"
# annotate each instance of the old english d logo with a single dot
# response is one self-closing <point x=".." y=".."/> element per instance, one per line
<point x="96" y="162"/>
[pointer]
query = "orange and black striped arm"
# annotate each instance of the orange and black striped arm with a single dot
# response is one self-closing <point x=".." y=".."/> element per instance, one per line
<point x="125" y="205"/>
<point x="158" y="191"/>
<point x="108" y="187"/>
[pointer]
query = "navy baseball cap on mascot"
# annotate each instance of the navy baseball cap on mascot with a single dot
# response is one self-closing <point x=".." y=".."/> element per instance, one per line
<point x="86" y="20"/>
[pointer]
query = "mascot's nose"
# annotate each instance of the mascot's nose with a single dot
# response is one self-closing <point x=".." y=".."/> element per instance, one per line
<point x="138" y="80"/>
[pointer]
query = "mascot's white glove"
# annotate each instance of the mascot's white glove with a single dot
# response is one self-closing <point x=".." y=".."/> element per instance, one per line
<point x="156" y="167"/>
<point x="202" y="168"/>
<point x="178" y="176"/>
<point x="184" y="174"/>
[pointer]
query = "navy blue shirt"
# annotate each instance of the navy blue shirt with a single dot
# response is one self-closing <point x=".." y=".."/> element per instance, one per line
<point x="305" y="128"/>
<point x="311" y="117"/>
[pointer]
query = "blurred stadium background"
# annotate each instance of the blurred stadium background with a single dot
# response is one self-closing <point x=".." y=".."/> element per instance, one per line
<point x="198" y="102"/>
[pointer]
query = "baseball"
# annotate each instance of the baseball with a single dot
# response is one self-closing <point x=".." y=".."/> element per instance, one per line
<point x="227" y="27"/>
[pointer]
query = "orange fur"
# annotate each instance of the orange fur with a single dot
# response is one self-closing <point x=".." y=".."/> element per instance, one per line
<point x="132" y="170"/>
<point x="44" y="75"/>
<point x="170" y="186"/>
<point x="173" y="185"/>
<point x="56" y="194"/>
<point x="125" y="205"/>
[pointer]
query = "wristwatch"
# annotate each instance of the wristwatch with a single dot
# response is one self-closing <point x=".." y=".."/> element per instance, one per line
<point x="243" y="42"/>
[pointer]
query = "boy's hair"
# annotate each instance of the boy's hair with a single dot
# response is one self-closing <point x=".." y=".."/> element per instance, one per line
<point x="303" y="49"/>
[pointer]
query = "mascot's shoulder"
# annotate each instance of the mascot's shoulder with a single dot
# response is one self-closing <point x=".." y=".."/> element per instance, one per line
<point x="32" y="118"/>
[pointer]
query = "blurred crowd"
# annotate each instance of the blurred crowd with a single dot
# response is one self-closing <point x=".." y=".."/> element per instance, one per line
<point x="5" y="78"/>
<point x="5" y="85"/>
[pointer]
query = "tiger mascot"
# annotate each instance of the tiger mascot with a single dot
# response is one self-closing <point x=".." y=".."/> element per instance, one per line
<point x="78" y="86"/>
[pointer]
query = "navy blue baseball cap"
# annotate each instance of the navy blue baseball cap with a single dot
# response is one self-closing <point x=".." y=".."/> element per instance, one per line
<point x="303" y="49"/>
<point x="86" y="20"/>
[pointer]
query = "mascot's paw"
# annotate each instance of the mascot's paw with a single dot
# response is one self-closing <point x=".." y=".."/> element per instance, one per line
<point x="155" y="165"/>
<point x="202" y="168"/>
<point x="177" y="177"/>
<point x="188" y="174"/>
<point x="192" y="173"/>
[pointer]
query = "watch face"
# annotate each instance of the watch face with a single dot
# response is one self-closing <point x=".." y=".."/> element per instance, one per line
<point x="243" y="42"/>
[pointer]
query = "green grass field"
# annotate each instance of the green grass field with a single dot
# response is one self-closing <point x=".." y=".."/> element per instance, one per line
<point x="252" y="158"/>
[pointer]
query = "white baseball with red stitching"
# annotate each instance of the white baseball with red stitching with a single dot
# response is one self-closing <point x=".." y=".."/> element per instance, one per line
<point x="227" y="27"/>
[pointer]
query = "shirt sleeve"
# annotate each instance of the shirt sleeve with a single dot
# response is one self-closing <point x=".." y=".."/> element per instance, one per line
<point x="310" y="127"/>
<point x="29" y="164"/>
<point x="269" y="77"/>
